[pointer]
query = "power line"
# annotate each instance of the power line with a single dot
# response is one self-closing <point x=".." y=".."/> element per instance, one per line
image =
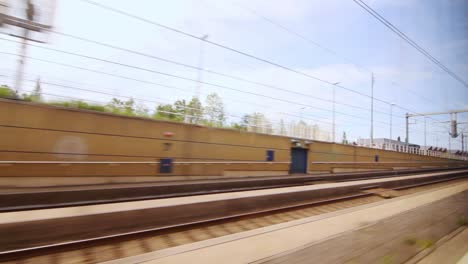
<point x="226" y="47"/>
<point x="118" y="11"/>
<point x="314" y="43"/>
<point x="235" y="100"/>
<point x="146" y="100"/>
<point x="171" y="75"/>
<point x="175" y="76"/>
<point x="301" y="36"/>
<point x="409" y="41"/>
<point x="268" y="121"/>
<point x="106" y="93"/>
<point x="129" y="97"/>
<point x="188" y="66"/>
<point x="173" y="87"/>
<point x="309" y="41"/>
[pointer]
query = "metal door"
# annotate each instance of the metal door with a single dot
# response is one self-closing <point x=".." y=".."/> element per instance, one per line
<point x="298" y="160"/>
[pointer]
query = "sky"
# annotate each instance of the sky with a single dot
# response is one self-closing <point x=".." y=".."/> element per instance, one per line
<point x="334" y="41"/>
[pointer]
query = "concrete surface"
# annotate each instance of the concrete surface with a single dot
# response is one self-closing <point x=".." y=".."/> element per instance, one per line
<point x="272" y="242"/>
<point x="451" y="251"/>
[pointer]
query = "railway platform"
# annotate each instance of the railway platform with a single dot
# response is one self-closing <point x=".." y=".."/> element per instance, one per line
<point x="389" y="231"/>
<point x="22" y="198"/>
<point x="23" y="229"/>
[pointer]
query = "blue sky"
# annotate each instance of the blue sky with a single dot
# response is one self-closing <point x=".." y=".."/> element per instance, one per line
<point x="402" y="75"/>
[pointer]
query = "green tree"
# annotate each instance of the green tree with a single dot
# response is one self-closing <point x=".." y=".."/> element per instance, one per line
<point x="237" y="126"/>
<point x="167" y="112"/>
<point x="181" y="108"/>
<point x="214" y="110"/>
<point x="194" y="111"/>
<point x="122" y="107"/>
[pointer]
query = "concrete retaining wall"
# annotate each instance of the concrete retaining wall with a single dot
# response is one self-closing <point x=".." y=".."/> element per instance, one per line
<point x="36" y="132"/>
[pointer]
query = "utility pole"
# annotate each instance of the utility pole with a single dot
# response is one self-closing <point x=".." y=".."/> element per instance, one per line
<point x="407" y="129"/>
<point x="21" y="61"/>
<point x="425" y="133"/>
<point x="391" y="119"/>
<point x="200" y="66"/>
<point x="24" y="39"/>
<point x="463" y="141"/>
<point x="333" y="124"/>
<point x="333" y="112"/>
<point x="450" y="144"/>
<point x="462" y="135"/>
<point x="453" y="120"/>
<point x="372" y="110"/>
<point x="26" y="25"/>
<point x="465" y="148"/>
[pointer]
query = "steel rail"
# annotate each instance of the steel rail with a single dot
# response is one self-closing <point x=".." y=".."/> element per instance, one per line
<point x="9" y="253"/>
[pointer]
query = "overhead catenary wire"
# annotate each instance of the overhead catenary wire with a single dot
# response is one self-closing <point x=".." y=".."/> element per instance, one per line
<point x="159" y="111"/>
<point x="189" y="66"/>
<point x="173" y="87"/>
<point x="242" y="53"/>
<point x="138" y="99"/>
<point x="179" y="77"/>
<point x="320" y="46"/>
<point x="181" y="32"/>
<point x="305" y="116"/>
<point x="402" y="35"/>
<point x="142" y="100"/>
<point x="299" y="35"/>
<point x="236" y="116"/>
<point x="118" y="11"/>
<point x="235" y="100"/>
<point x="159" y="102"/>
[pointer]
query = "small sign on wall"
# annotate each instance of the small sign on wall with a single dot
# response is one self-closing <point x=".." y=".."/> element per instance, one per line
<point x="270" y="155"/>
<point x="165" y="165"/>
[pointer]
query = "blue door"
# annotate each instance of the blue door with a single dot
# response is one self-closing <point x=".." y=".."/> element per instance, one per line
<point x="298" y="160"/>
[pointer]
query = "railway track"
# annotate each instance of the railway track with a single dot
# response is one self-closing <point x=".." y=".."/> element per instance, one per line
<point x="124" y="245"/>
<point x="43" y="198"/>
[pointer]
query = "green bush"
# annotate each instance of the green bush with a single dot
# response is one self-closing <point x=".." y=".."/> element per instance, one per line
<point x="87" y="106"/>
<point x="6" y="92"/>
<point x="61" y="103"/>
<point x="80" y="105"/>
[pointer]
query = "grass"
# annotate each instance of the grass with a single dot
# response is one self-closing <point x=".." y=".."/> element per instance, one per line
<point x="387" y="259"/>
<point x="425" y="243"/>
<point x="421" y="243"/>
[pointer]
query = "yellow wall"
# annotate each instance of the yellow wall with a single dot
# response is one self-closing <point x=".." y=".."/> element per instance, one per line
<point x="36" y="132"/>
